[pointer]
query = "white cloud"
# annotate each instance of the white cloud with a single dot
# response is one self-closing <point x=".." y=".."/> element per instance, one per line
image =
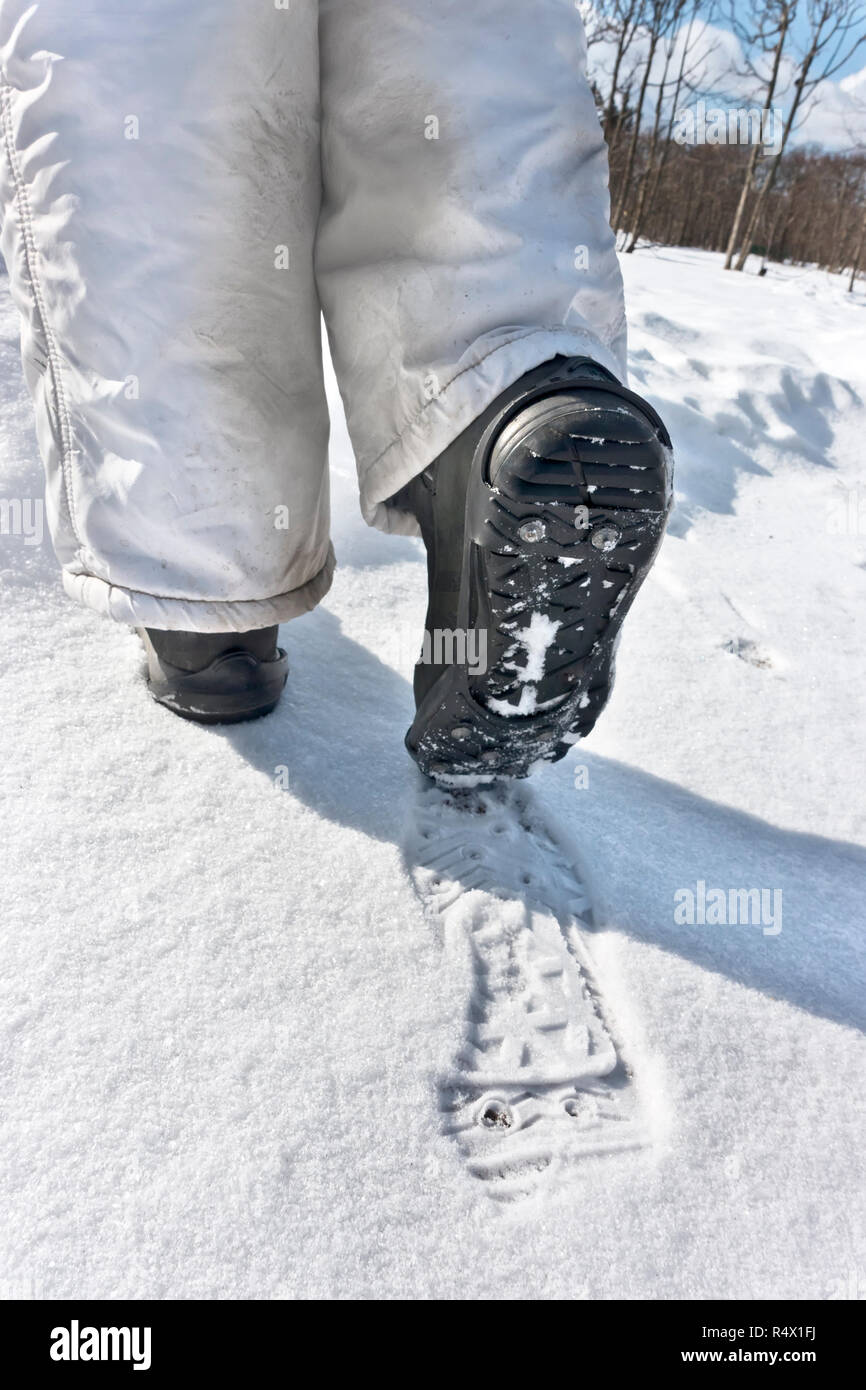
<point x="837" y="117"/>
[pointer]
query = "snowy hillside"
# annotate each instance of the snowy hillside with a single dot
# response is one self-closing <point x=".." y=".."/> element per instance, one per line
<point x="225" y="1013"/>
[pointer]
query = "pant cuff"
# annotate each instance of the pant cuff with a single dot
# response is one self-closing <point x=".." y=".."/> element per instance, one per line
<point x="198" y="615"/>
<point x="486" y="374"/>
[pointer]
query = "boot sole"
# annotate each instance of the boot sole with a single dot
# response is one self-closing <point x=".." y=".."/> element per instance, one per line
<point x="587" y="470"/>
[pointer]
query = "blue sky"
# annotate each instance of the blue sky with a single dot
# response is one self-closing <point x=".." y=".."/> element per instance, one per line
<point x="855" y="64"/>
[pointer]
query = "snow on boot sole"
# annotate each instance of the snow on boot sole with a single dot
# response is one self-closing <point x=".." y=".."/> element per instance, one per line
<point x="566" y="506"/>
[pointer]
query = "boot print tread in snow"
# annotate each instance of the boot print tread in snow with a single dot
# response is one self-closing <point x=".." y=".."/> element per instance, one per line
<point x="540" y="1080"/>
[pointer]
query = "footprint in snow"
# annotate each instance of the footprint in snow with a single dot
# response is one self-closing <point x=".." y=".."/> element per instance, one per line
<point x="748" y="651"/>
<point x="539" y="1082"/>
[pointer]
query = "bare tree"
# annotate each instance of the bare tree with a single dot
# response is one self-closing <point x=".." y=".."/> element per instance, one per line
<point x="660" y="15"/>
<point x="623" y="18"/>
<point x="598" y="19"/>
<point x="836" y="29"/>
<point x="858" y="253"/>
<point x="806" y="206"/>
<point x="660" y="144"/>
<point x="764" y="32"/>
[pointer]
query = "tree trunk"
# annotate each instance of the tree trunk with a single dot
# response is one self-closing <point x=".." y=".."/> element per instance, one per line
<point x="763" y="192"/>
<point x="857" y="254"/>
<point x="734" y="238"/>
<point x="632" y="149"/>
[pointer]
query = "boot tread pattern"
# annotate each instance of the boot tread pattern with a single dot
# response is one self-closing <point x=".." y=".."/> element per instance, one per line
<point x="564" y="517"/>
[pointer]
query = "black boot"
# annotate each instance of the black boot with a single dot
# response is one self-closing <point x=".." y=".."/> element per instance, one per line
<point x="541" y="521"/>
<point x="215" y="678"/>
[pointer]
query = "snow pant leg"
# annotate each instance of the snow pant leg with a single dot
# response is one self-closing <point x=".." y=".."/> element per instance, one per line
<point x="159" y="189"/>
<point x="464" y="234"/>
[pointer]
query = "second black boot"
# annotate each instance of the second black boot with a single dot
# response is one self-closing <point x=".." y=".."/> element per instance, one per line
<point x="215" y="678"/>
<point x="541" y="521"/>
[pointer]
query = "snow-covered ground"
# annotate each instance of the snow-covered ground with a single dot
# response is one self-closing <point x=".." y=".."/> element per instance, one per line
<point x="225" y="1014"/>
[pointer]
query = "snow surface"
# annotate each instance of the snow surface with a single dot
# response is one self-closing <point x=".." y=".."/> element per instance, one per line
<point x="224" y="1011"/>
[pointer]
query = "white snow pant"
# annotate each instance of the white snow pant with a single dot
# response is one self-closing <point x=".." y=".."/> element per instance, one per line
<point x="185" y="185"/>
